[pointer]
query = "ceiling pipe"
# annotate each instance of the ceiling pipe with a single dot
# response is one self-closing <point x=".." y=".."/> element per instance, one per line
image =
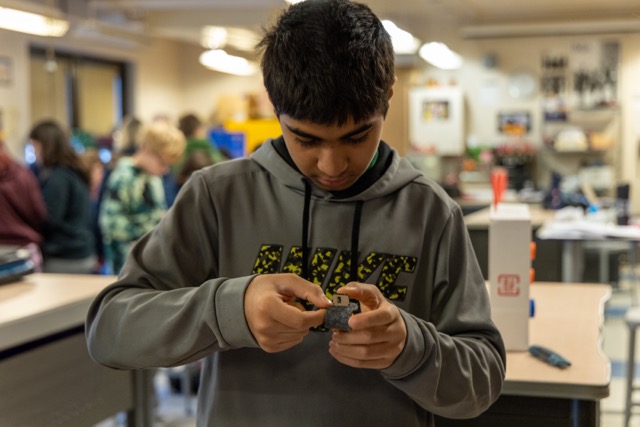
<point x="550" y="29"/>
<point x="180" y="4"/>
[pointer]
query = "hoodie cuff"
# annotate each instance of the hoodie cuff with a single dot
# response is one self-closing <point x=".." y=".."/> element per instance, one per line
<point x="412" y="354"/>
<point x="229" y="308"/>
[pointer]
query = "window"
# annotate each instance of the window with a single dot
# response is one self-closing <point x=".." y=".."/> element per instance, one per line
<point x="79" y="91"/>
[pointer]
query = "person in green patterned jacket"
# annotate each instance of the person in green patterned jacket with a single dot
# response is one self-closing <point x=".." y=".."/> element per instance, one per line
<point x="133" y="201"/>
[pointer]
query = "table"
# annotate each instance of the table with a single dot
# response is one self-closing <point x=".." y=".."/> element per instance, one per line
<point x="480" y="220"/>
<point x="574" y="233"/>
<point x="569" y="320"/>
<point x="46" y="375"/>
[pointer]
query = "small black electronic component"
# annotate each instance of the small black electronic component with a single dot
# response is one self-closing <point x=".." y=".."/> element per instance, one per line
<point x="339" y="313"/>
<point x="548" y="356"/>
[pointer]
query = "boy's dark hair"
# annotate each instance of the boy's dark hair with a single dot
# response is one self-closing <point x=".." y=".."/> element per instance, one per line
<point x="189" y="124"/>
<point x="327" y="60"/>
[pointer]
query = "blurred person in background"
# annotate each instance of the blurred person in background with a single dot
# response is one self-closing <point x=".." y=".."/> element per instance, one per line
<point x="133" y="200"/>
<point x="197" y="160"/>
<point x="22" y="209"/>
<point x="125" y="138"/>
<point x="196" y="134"/>
<point x="68" y="245"/>
<point x="97" y="172"/>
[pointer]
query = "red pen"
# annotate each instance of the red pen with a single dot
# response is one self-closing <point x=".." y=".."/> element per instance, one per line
<point x="498" y="184"/>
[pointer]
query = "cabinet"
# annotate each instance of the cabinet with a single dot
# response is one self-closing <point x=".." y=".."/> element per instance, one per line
<point x="583" y="148"/>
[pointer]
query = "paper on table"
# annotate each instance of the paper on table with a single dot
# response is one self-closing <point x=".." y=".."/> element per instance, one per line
<point x="587" y="230"/>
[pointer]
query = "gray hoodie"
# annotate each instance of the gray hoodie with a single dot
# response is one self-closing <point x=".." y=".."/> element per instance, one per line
<point x="180" y="298"/>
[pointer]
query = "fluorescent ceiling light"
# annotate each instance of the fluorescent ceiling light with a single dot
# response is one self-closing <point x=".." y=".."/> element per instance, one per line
<point x="293" y="1"/>
<point x="219" y="60"/>
<point x="32" y="23"/>
<point x="403" y="41"/>
<point x="213" y="37"/>
<point x="439" y="55"/>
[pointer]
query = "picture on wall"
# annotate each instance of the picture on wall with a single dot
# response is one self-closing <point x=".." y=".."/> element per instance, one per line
<point x="435" y="110"/>
<point x="514" y="123"/>
<point x="436" y="119"/>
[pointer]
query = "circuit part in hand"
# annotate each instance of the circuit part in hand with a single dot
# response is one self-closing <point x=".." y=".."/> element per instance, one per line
<point x="339" y="313"/>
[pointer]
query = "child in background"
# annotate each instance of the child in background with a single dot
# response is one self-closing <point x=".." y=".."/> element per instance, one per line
<point x="133" y="199"/>
<point x="195" y="161"/>
<point x="195" y="132"/>
<point x="97" y="172"/>
<point x="68" y="240"/>
<point x="22" y="208"/>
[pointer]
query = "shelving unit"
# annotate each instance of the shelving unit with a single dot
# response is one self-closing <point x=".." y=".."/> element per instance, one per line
<point x="596" y="162"/>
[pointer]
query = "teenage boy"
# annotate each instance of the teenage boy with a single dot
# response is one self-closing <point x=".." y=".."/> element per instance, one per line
<point x="328" y="208"/>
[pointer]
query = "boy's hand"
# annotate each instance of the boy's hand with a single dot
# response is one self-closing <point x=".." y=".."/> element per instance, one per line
<point x="276" y="321"/>
<point x="377" y="335"/>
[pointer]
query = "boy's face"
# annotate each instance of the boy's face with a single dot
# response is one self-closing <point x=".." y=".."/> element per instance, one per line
<point x="332" y="156"/>
<point x="152" y="162"/>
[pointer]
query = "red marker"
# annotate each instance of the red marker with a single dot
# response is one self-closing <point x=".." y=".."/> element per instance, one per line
<point x="498" y="184"/>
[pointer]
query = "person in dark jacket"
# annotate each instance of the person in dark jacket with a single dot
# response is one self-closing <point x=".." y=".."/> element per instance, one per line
<point x="68" y="240"/>
<point x="22" y="209"/>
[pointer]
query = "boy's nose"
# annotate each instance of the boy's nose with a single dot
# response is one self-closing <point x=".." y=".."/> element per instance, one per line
<point x="332" y="162"/>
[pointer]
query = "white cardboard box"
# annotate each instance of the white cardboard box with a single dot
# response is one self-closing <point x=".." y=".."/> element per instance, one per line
<point x="509" y="266"/>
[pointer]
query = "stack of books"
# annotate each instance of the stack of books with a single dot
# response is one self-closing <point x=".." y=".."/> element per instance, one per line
<point x="15" y="262"/>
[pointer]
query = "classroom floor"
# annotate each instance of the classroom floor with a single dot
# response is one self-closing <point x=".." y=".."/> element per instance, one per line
<point x="172" y="407"/>
<point x="615" y="346"/>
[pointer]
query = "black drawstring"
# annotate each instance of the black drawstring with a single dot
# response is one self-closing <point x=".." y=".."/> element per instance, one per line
<point x="355" y="237"/>
<point x="305" y="230"/>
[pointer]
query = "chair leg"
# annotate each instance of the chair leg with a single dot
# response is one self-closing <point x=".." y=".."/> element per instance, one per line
<point x="186" y="389"/>
<point x="634" y="274"/>
<point x="630" y="374"/>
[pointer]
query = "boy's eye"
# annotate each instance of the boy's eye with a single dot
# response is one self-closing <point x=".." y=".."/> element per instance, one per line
<point x="306" y="142"/>
<point x="357" y="139"/>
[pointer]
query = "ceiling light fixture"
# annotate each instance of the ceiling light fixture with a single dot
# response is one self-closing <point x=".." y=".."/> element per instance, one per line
<point x="219" y="60"/>
<point x="213" y="37"/>
<point x="438" y="54"/>
<point x="294" y="1"/>
<point x="403" y="41"/>
<point x="32" y="23"/>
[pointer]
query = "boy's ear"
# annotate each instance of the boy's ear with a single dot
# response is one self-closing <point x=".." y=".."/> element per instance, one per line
<point x="395" y="79"/>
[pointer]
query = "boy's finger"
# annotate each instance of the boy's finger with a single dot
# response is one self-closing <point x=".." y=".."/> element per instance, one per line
<point x="368" y="295"/>
<point x="295" y="286"/>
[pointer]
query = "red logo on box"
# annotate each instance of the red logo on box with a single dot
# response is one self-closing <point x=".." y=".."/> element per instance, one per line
<point x="508" y="285"/>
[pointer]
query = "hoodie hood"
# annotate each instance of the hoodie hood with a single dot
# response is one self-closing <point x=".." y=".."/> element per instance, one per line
<point x="388" y="176"/>
<point x="399" y="173"/>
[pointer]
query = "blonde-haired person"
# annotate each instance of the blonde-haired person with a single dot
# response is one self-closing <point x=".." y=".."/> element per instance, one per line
<point x="133" y="200"/>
